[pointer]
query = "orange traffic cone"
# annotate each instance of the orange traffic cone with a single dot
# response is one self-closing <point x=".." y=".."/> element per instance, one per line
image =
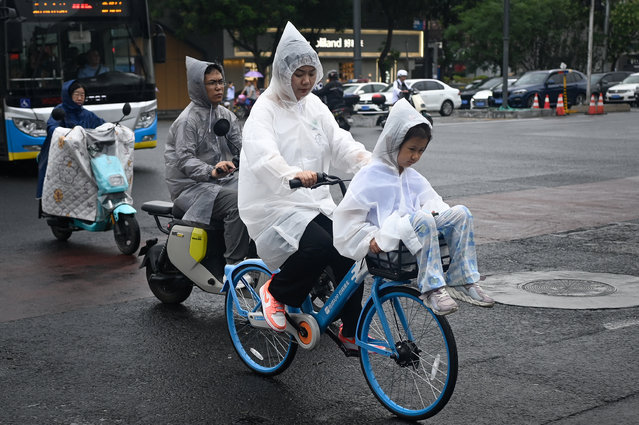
<point x="592" y="109"/>
<point x="600" y="105"/>
<point x="536" y="102"/>
<point x="560" y="105"/>
<point x="547" y="102"/>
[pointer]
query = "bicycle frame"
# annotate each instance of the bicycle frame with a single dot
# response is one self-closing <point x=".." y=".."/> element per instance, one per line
<point x="335" y="303"/>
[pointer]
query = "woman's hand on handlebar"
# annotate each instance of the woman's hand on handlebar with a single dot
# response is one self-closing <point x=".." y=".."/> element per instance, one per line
<point x="308" y="178"/>
<point x="222" y="169"/>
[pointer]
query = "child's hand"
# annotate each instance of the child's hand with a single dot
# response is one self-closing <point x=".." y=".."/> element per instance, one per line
<point x="375" y="249"/>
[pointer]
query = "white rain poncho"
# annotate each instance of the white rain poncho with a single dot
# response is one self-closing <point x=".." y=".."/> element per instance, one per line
<point x="282" y="137"/>
<point x="193" y="149"/>
<point x="380" y="200"/>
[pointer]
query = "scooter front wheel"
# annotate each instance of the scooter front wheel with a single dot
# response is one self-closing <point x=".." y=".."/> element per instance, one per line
<point x="61" y="233"/>
<point x="126" y="232"/>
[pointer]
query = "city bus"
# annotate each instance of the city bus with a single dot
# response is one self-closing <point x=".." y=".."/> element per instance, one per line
<point x="46" y="43"/>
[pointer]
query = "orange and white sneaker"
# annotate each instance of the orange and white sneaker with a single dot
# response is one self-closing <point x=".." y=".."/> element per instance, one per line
<point x="349" y="342"/>
<point x="273" y="309"/>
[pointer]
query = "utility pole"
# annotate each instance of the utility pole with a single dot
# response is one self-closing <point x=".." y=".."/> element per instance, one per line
<point x="357" y="29"/>
<point x="589" y="66"/>
<point x="504" y="66"/>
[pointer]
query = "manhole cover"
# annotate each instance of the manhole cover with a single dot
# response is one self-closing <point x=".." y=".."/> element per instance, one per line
<point x="569" y="288"/>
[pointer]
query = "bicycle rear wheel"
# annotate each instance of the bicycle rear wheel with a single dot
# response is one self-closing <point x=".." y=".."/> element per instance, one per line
<point x="417" y="382"/>
<point x="263" y="350"/>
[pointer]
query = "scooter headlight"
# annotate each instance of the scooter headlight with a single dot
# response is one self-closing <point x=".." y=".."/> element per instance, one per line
<point x="32" y="127"/>
<point x="145" y="119"/>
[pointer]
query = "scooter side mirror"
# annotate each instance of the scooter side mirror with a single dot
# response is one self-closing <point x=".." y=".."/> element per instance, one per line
<point x="221" y="127"/>
<point x="126" y="109"/>
<point x="58" y="114"/>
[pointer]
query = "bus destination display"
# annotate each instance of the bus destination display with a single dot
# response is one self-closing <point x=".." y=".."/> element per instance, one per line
<point x="80" y="8"/>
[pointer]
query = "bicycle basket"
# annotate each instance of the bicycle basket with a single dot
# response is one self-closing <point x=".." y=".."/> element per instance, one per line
<point x="401" y="264"/>
<point x="395" y="265"/>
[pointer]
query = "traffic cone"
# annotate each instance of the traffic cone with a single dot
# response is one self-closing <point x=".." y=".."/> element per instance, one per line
<point x="560" y="105"/>
<point x="547" y="102"/>
<point x="536" y="102"/>
<point x="600" y="105"/>
<point x="592" y="109"/>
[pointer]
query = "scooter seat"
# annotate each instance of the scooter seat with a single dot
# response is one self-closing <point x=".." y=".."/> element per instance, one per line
<point x="161" y="208"/>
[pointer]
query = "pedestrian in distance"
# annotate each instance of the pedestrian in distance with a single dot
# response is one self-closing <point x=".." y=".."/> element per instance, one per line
<point x="200" y="172"/>
<point x="388" y="201"/>
<point x="230" y="92"/>
<point x="290" y="134"/>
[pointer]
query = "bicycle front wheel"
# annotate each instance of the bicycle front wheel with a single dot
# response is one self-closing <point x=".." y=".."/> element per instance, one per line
<point x="417" y="381"/>
<point x="265" y="351"/>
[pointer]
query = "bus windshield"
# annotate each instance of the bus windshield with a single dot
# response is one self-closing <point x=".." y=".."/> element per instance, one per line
<point x="104" y="55"/>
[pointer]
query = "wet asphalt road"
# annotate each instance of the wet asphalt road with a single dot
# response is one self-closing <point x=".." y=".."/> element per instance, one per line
<point x="82" y="340"/>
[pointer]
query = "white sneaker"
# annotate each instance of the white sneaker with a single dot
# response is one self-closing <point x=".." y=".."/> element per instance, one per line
<point x="439" y="301"/>
<point x="472" y="294"/>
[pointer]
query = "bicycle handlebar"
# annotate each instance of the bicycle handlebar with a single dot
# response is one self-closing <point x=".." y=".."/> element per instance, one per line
<point x="323" y="179"/>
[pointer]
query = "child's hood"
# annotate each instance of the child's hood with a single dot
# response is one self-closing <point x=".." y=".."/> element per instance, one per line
<point x="402" y="117"/>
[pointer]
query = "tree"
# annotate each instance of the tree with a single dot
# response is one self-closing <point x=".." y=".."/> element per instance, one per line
<point x="624" y="29"/>
<point x="247" y="22"/>
<point x="543" y="34"/>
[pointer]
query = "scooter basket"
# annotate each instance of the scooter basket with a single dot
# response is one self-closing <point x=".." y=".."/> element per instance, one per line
<point x="394" y="265"/>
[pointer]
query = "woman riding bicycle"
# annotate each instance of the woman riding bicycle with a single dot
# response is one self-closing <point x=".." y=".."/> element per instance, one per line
<point x="290" y="134"/>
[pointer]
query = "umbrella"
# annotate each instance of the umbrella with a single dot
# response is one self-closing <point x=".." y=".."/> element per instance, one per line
<point x="253" y="74"/>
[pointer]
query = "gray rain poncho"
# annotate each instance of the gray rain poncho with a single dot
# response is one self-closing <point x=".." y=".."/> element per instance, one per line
<point x="380" y="200"/>
<point x="282" y="137"/>
<point x="193" y="149"/>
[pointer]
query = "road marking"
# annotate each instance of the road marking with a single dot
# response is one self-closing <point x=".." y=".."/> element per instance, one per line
<point x="620" y="324"/>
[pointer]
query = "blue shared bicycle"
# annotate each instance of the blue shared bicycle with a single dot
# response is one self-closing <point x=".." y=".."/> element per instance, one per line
<point x="407" y="353"/>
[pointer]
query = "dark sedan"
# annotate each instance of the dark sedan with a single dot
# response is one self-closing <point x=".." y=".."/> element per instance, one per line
<point x="602" y="81"/>
<point x="549" y="82"/>
<point x="468" y="93"/>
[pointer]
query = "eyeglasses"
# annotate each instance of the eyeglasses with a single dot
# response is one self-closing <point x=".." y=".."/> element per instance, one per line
<point x="213" y="83"/>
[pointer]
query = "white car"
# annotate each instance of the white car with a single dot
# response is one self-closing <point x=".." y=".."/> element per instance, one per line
<point x="624" y="91"/>
<point x="366" y="105"/>
<point x="437" y="96"/>
<point x="481" y="98"/>
<point x="365" y="91"/>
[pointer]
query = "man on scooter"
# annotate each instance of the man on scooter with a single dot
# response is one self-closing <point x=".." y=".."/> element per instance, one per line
<point x="333" y="92"/>
<point x="200" y="166"/>
<point x="400" y="89"/>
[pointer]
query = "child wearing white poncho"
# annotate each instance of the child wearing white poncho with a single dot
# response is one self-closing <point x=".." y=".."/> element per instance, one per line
<point x="389" y="201"/>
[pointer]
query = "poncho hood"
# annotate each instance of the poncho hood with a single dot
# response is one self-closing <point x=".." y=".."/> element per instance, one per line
<point x="293" y="51"/>
<point x="402" y="117"/>
<point x="195" y="81"/>
<point x="67" y="101"/>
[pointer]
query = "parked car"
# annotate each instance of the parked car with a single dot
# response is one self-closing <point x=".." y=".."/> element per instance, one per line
<point x="624" y="92"/>
<point x="437" y="96"/>
<point x="363" y="88"/>
<point x="367" y="106"/>
<point x="484" y="98"/>
<point x="468" y="92"/>
<point x="546" y="82"/>
<point x="602" y="81"/>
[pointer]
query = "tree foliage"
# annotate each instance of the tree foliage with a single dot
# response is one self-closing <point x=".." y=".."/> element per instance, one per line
<point x="247" y="21"/>
<point x="543" y="34"/>
<point x="624" y="29"/>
